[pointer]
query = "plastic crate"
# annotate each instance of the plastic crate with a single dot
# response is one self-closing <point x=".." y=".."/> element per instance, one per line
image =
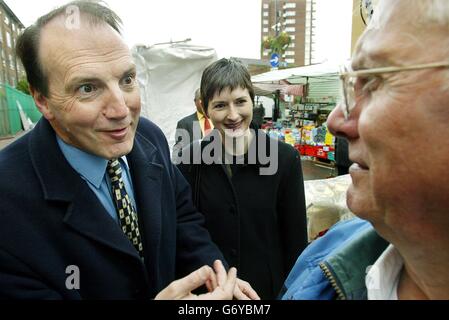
<point x="310" y="151"/>
<point x="296" y="146"/>
<point x="320" y="153"/>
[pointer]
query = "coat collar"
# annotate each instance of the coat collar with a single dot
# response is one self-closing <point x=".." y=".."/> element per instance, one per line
<point x="85" y="214"/>
<point x="348" y="266"/>
<point x="47" y="159"/>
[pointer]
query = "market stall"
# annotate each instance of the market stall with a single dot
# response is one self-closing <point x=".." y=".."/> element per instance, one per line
<point x="304" y="111"/>
<point x="326" y="204"/>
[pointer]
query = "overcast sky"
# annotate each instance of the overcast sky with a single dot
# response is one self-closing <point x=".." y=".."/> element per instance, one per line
<point x="231" y="27"/>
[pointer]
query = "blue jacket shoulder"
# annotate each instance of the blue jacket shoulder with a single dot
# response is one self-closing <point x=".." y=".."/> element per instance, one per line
<point x="306" y="280"/>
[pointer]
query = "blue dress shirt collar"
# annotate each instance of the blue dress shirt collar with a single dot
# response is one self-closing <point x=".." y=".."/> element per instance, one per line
<point x="91" y="167"/>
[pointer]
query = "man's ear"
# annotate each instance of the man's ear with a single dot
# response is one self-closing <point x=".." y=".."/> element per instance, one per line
<point x="41" y="103"/>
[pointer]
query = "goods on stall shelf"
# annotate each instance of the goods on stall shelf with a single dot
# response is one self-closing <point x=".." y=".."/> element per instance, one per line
<point x="290" y="136"/>
<point x="310" y="141"/>
<point x="320" y="152"/>
<point x="312" y="135"/>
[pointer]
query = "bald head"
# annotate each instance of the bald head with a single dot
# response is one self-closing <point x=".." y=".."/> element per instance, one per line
<point x="71" y="15"/>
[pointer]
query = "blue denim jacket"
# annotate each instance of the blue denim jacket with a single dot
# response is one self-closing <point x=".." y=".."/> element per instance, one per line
<point x="334" y="266"/>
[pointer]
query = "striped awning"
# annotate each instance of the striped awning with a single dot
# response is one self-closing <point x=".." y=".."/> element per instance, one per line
<point x="267" y="89"/>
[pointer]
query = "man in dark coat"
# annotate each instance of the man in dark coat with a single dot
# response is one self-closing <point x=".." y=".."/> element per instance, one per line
<point x="193" y="127"/>
<point x="258" y="115"/>
<point x="51" y="220"/>
<point x="69" y="228"/>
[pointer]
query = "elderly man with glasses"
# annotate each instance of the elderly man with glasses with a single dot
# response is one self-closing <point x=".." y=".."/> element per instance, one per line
<point x="394" y="113"/>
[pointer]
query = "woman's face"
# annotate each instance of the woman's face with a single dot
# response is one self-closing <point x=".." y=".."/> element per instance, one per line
<point x="231" y="112"/>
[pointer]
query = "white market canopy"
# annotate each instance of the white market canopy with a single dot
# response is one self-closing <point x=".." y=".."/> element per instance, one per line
<point x="316" y="70"/>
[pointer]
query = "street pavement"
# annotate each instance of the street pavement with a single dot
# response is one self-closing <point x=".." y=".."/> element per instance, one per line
<point x="4" y="141"/>
<point x="313" y="170"/>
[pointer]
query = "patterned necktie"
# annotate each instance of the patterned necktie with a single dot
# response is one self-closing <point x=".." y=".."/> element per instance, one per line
<point x="126" y="212"/>
<point x="207" y="126"/>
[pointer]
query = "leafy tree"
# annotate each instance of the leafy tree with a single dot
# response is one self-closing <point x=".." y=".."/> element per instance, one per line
<point x="23" y="86"/>
<point x="277" y="44"/>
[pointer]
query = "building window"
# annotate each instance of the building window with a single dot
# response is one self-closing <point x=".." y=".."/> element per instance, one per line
<point x="8" y="39"/>
<point x="265" y="14"/>
<point x="11" y="62"/>
<point x="290" y="29"/>
<point x="290" y="60"/>
<point x="6" y="20"/>
<point x="290" y="5"/>
<point x="293" y="37"/>
<point x="266" y="5"/>
<point x="289" y="14"/>
<point x="265" y="30"/>
<point x="13" y="27"/>
<point x="290" y="21"/>
<point x="265" y="22"/>
<point x="291" y="45"/>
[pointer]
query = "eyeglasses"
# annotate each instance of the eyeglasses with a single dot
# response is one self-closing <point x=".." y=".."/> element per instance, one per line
<point x="348" y="79"/>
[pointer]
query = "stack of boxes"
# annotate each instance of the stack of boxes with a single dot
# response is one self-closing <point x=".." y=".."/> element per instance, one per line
<point x="317" y="143"/>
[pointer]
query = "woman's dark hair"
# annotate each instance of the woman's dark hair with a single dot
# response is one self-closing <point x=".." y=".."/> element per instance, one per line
<point x="222" y="74"/>
<point x="27" y="48"/>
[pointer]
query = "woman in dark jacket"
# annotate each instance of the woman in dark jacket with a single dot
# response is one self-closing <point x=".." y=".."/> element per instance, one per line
<point x="249" y="187"/>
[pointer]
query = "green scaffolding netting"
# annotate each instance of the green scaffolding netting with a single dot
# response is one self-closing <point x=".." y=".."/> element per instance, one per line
<point x="11" y="101"/>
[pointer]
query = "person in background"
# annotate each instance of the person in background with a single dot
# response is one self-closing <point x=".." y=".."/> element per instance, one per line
<point x="395" y="98"/>
<point x="258" y="115"/>
<point x="342" y="161"/>
<point x="196" y="126"/>
<point x="258" y="220"/>
<point x="92" y="206"/>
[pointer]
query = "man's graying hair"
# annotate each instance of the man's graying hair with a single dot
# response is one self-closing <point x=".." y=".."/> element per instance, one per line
<point x="27" y="48"/>
<point x="427" y="17"/>
<point x="224" y="74"/>
<point x="430" y="11"/>
<point x="436" y="11"/>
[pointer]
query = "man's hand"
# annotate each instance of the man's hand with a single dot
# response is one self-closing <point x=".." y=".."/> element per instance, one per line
<point x="244" y="291"/>
<point x="222" y="285"/>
